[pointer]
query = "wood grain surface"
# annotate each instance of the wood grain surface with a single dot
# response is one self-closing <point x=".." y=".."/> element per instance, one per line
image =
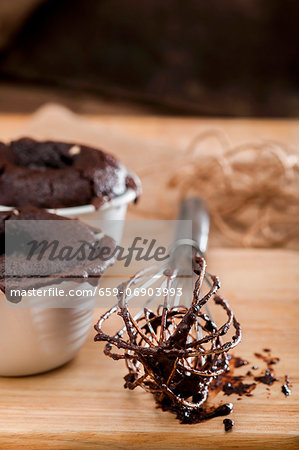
<point x="84" y="405"/>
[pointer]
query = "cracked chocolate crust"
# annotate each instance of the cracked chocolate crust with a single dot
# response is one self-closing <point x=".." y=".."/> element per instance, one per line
<point x="56" y="175"/>
<point x="44" y="271"/>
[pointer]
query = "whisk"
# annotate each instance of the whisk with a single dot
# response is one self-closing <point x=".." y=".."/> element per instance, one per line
<point x="174" y="276"/>
<point x="175" y="351"/>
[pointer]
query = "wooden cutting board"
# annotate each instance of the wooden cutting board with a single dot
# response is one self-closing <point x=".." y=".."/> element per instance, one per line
<point x="83" y="404"/>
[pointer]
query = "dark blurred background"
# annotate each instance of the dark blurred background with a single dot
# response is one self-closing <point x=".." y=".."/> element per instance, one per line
<point x="186" y="57"/>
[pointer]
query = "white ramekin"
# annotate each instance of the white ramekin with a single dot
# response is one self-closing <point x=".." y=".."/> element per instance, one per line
<point x="35" y="340"/>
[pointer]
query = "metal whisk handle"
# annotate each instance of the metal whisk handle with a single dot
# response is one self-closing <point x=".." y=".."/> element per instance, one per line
<point x="194" y="208"/>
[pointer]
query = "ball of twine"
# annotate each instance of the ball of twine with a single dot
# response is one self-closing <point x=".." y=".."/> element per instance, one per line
<point x="252" y="189"/>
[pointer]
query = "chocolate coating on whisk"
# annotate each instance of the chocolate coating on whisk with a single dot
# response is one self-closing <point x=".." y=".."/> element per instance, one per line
<point x="166" y="355"/>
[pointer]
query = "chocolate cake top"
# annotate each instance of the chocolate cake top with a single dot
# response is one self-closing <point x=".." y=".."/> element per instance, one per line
<point x="57" y="174"/>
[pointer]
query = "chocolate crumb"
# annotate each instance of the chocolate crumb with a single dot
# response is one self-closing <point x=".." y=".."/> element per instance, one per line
<point x="285" y="389"/>
<point x="249" y="373"/>
<point x="228" y="424"/>
<point x="238" y="388"/>
<point x="268" y="378"/>
<point x="193" y="416"/>
<point x="267" y="350"/>
<point x="254" y="367"/>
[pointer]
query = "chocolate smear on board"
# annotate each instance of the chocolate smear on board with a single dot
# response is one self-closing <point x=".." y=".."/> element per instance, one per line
<point x="267" y="359"/>
<point x="239" y="362"/>
<point x="239" y="388"/>
<point x="267" y="378"/>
